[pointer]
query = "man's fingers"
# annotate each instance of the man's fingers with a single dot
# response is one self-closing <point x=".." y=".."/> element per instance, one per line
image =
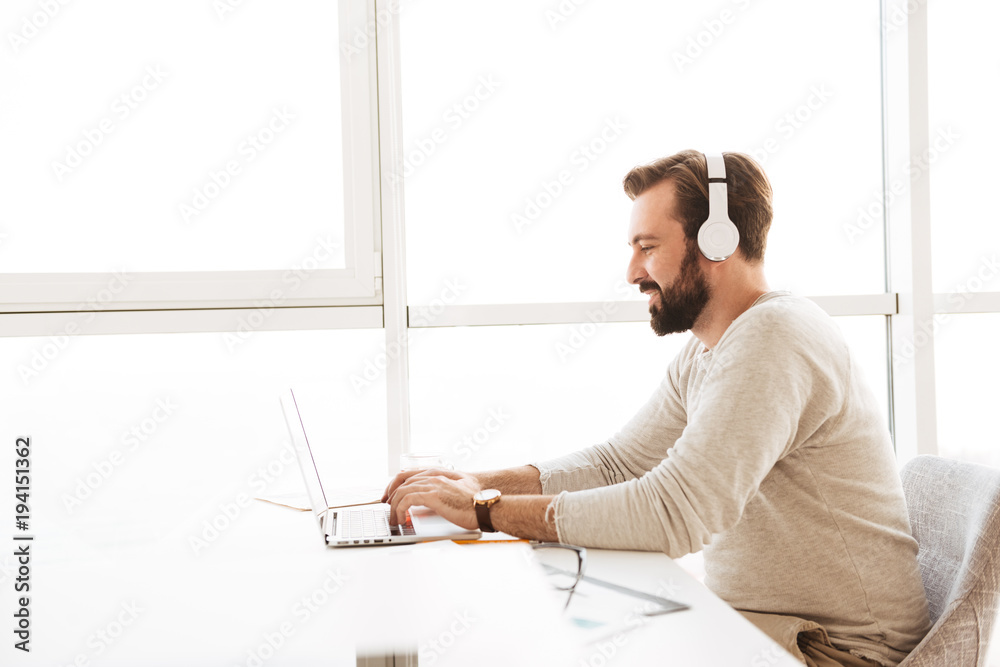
<point x="402" y="492"/>
<point x="409" y="500"/>
<point x="396" y="481"/>
<point x="427" y="485"/>
<point x="394" y="484"/>
<point x="406" y="475"/>
<point x="450" y="498"/>
<point x="425" y="481"/>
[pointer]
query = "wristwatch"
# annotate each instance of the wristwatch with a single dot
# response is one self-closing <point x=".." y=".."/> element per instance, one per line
<point x="483" y="501"/>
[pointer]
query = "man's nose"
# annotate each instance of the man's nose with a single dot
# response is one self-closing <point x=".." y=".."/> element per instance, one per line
<point x="635" y="273"/>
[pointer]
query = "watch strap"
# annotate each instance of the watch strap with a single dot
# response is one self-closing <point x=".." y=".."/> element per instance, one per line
<point x="483" y="516"/>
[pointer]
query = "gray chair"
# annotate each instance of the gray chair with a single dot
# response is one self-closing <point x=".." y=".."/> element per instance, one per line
<point x="954" y="512"/>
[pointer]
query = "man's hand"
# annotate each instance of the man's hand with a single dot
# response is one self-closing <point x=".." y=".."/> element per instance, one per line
<point x="402" y="477"/>
<point x="447" y="492"/>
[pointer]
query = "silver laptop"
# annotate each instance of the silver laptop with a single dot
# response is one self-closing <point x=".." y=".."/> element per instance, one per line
<point x="361" y="525"/>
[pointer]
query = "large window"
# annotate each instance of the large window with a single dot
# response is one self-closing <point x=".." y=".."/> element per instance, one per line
<point x="512" y="166"/>
<point x="963" y="107"/>
<point x="188" y="160"/>
<point x="398" y="167"/>
<point x="965" y="227"/>
<point x="967" y="360"/>
<point x="546" y="390"/>
<point x="513" y="161"/>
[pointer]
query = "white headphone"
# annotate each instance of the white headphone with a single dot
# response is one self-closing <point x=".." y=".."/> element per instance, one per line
<point x="718" y="237"/>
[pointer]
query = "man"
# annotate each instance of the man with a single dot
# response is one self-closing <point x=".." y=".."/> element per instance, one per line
<point x="763" y="445"/>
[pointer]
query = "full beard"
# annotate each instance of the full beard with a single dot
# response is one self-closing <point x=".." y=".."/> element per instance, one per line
<point x="681" y="304"/>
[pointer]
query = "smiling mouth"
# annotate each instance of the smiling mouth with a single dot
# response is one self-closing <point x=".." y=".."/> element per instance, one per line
<point x="650" y="290"/>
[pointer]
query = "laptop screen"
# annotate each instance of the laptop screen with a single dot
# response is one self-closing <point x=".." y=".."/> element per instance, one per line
<point x="303" y="452"/>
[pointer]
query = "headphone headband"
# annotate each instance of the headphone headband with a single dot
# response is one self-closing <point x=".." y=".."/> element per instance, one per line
<point x="716" y="168"/>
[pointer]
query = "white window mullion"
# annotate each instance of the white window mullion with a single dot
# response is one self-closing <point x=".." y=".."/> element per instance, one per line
<point x="297" y="285"/>
<point x="390" y="129"/>
<point x="967" y="302"/>
<point x="359" y="132"/>
<point x="598" y="312"/>
<point x="239" y="324"/>
<point x="912" y="330"/>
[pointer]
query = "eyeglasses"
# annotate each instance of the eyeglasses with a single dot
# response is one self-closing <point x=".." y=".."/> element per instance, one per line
<point x="564" y="565"/>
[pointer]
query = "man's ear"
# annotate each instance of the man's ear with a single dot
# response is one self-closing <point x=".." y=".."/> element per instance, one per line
<point x="709" y="267"/>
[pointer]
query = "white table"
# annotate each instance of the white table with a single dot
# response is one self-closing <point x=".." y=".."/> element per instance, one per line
<point x="266" y="592"/>
<point x="709" y="633"/>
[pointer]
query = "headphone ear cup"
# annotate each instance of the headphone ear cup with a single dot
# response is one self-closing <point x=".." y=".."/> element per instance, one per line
<point x="718" y="239"/>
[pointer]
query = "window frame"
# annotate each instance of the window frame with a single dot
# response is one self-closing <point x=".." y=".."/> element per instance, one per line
<point x="908" y="302"/>
<point x="372" y="293"/>
<point x="356" y="285"/>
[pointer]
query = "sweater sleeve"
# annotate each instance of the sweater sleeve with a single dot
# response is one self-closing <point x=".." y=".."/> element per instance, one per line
<point x="630" y="453"/>
<point x="764" y="388"/>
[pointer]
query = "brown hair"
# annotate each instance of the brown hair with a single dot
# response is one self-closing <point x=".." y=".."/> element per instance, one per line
<point x="748" y="188"/>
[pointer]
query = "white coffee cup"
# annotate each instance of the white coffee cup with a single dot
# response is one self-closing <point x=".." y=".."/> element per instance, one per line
<point x="423" y="460"/>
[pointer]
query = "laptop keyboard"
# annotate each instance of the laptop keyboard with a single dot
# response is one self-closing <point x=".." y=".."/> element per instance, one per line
<point x="370" y="523"/>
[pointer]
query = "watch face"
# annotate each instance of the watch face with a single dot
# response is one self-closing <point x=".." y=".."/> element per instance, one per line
<point x="487" y="495"/>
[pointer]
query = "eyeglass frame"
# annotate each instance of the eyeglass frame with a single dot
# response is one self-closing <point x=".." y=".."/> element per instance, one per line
<point x="581" y="561"/>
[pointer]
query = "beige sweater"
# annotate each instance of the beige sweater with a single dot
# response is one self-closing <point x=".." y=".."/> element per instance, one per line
<point x="769" y="452"/>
